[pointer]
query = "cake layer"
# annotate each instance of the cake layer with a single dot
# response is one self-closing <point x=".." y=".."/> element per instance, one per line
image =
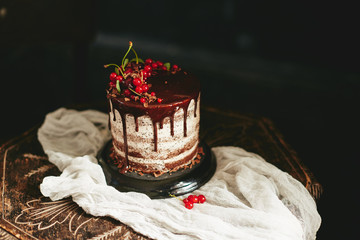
<point x="151" y="165"/>
<point x="157" y="145"/>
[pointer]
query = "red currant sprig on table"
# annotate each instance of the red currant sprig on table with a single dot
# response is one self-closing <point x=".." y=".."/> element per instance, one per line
<point x="130" y="78"/>
<point x="191" y="200"/>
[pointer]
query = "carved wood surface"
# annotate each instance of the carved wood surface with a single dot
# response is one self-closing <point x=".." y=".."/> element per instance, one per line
<point x="26" y="214"/>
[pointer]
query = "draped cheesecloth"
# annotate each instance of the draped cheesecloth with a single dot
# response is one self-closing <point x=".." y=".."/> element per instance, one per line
<point x="247" y="198"/>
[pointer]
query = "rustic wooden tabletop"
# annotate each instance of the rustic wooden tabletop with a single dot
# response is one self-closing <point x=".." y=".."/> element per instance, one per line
<point x="26" y="214"/>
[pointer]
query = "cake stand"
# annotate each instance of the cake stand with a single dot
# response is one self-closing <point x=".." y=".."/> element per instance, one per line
<point x="177" y="183"/>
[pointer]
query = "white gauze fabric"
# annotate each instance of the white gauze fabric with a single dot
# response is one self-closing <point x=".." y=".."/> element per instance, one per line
<point x="247" y="198"/>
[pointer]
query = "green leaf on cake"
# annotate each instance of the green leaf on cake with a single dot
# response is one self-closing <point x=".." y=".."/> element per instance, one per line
<point x="118" y="85"/>
<point x="139" y="59"/>
<point x="126" y="61"/>
<point x="167" y="65"/>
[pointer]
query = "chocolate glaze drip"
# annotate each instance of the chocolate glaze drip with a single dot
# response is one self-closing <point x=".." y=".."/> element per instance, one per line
<point x="136" y="124"/>
<point x="172" y="125"/>
<point x="185" y="116"/>
<point x="195" y="107"/>
<point x="123" y="119"/>
<point x="155" y="136"/>
<point x="113" y="111"/>
<point x="176" y="90"/>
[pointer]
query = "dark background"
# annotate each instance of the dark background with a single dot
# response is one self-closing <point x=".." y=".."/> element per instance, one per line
<point x="294" y="62"/>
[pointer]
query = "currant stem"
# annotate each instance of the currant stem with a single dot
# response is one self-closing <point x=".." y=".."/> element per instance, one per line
<point x="122" y="62"/>
<point x="172" y="195"/>
<point x="137" y="59"/>
<point x="135" y="92"/>
<point x="113" y="64"/>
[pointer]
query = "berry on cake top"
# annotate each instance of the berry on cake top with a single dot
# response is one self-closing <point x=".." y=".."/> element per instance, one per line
<point x="130" y="79"/>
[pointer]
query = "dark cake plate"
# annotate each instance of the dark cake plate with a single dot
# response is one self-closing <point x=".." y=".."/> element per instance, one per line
<point x="177" y="183"/>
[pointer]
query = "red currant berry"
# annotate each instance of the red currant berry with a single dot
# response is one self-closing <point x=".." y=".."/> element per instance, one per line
<point x="185" y="200"/>
<point x="136" y="81"/>
<point x="193" y="198"/>
<point x="159" y="100"/>
<point x="132" y="97"/>
<point x="127" y="92"/>
<point x="164" y="68"/>
<point x="160" y="64"/>
<point x="175" y="66"/>
<point x="154" y="65"/>
<point x="129" y="70"/>
<point x="149" y="61"/>
<point x="119" y="78"/>
<point x="189" y="205"/>
<point x="202" y="198"/>
<point x="147" y="68"/>
<point x="146" y="74"/>
<point x="145" y="87"/>
<point x="152" y="93"/>
<point x="142" y="100"/>
<point x="138" y="89"/>
<point x="113" y="77"/>
<point x="112" y="84"/>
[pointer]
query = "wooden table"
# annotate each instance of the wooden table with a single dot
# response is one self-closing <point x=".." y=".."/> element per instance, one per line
<point x="26" y="214"/>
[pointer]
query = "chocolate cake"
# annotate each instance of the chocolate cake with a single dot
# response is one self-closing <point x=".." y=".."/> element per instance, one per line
<point x="154" y="116"/>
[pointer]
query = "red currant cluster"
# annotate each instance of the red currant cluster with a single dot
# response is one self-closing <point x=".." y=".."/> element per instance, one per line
<point x="130" y="79"/>
<point x="190" y="200"/>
